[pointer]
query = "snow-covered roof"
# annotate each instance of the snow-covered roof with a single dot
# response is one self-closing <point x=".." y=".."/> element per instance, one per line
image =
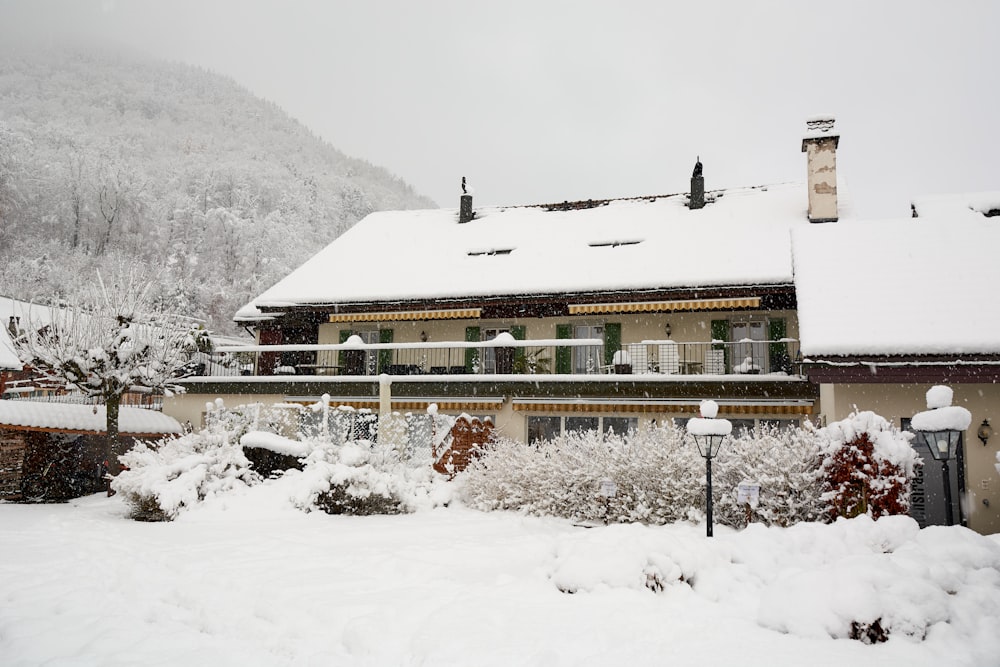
<point x="83" y="418"/>
<point x="923" y="285"/>
<point x="643" y="243"/>
<point x="22" y="312"/>
<point x="8" y="356"/>
<point x="972" y="206"/>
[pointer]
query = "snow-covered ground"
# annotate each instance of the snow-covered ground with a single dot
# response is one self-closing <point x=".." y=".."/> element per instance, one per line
<point x="248" y="580"/>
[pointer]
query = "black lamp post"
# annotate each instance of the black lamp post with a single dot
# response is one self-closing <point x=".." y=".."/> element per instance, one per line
<point x="708" y="434"/>
<point x="942" y="445"/>
<point x="708" y="446"/>
<point x="940" y="427"/>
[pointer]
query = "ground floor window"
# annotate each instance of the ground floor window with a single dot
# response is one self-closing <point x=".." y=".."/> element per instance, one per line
<point x="549" y="427"/>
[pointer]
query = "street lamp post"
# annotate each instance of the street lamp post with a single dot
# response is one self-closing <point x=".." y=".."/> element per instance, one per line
<point x="940" y="428"/>
<point x="708" y="433"/>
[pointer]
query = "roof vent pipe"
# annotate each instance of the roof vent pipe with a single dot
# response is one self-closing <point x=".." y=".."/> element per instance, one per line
<point x="820" y="146"/>
<point x="465" y="212"/>
<point x="697" y="198"/>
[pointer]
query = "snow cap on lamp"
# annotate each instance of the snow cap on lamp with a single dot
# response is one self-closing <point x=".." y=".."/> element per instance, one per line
<point x="941" y="415"/>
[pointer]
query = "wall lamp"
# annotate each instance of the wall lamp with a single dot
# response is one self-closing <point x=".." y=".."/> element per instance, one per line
<point x="667" y="329"/>
<point x="985" y="431"/>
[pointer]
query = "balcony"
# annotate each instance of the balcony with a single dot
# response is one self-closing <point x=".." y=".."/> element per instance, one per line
<point x="505" y="356"/>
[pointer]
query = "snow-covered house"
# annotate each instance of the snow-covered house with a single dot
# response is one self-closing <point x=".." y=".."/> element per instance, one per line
<point x="603" y="314"/>
<point x="888" y="308"/>
<point x="614" y="314"/>
<point x="16" y="378"/>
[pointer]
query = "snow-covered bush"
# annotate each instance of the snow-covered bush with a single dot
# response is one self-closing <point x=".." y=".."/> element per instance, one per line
<point x="165" y="477"/>
<point x="868" y="466"/>
<point x="785" y="463"/>
<point x="364" y="477"/>
<point x="658" y="477"/>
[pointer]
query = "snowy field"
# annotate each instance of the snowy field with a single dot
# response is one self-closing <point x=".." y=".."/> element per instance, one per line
<point x="247" y="580"/>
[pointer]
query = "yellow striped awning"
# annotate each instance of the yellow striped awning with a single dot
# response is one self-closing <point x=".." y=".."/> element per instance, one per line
<point x="466" y="404"/>
<point x="407" y="315"/>
<point x="664" y="306"/>
<point x="657" y="407"/>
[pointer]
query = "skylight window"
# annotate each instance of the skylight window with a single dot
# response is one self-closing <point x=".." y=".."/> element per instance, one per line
<point x="490" y="253"/>
<point x="614" y="244"/>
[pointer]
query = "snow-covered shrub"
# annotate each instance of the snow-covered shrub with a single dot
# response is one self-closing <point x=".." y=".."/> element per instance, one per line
<point x="271" y="454"/>
<point x="658" y="477"/>
<point x="868" y="466"/>
<point x="785" y="463"/>
<point x="363" y="478"/>
<point x="163" y="478"/>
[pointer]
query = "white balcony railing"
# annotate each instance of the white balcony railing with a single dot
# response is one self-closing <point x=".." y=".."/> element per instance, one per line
<point x="506" y="356"/>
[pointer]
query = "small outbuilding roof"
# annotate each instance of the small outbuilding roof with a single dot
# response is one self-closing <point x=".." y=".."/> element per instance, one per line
<point x="72" y="418"/>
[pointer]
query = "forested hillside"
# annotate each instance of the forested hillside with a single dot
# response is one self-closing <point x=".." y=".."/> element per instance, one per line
<point x="222" y="193"/>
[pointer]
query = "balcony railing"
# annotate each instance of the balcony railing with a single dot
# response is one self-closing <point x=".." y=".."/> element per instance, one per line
<point x="506" y="356"/>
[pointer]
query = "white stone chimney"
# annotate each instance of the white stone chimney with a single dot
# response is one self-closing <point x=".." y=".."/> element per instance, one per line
<point x="820" y="146"/>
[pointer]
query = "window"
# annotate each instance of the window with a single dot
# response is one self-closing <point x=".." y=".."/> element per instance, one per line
<point x="620" y="425"/>
<point x="371" y="356"/>
<point x="588" y="359"/>
<point x="780" y="424"/>
<point x="614" y="244"/>
<point x="490" y="353"/>
<point x="581" y="424"/>
<point x="550" y="427"/>
<point x="750" y="346"/>
<point x="741" y="426"/>
<point x="543" y="428"/>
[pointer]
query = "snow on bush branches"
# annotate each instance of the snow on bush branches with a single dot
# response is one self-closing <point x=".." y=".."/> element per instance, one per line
<point x="804" y="474"/>
<point x="868" y="466"/>
<point x="659" y="478"/>
<point x="857" y="466"/>
<point x="340" y="473"/>
<point x="163" y="478"/>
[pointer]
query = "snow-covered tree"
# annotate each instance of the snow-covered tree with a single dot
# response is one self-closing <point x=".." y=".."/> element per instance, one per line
<point x="112" y="342"/>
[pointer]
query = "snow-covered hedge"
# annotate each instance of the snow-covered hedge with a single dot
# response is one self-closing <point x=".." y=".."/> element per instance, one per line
<point x="783" y="463"/>
<point x="166" y="477"/>
<point x="658" y="477"/>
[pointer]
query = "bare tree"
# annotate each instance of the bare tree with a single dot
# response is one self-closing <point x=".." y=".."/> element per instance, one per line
<point x="114" y="341"/>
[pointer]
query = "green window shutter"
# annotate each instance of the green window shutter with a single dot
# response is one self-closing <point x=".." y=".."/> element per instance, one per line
<point x="612" y="341"/>
<point x="384" y="356"/>
<point x="778" y="352"/>
<point x="343" y="335"/>
<point x="720" y="331"/>
<point x="564" y="355"/>
<point x="472" y="335"/>
<point x="519" y="332"/>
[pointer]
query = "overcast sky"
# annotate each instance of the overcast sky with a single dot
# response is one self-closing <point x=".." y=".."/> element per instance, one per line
<point x="537" y="101"/>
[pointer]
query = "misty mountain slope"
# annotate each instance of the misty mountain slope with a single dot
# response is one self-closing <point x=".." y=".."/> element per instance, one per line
<point x="104" y="156"/>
